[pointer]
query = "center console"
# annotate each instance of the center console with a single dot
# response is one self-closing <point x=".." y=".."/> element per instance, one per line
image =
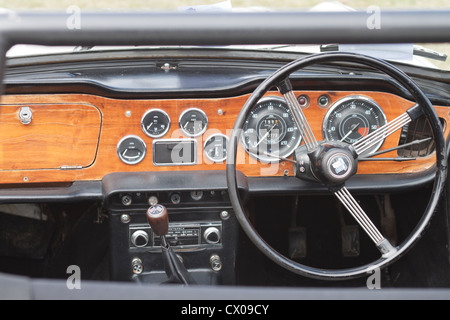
<point x="202" y="230"/>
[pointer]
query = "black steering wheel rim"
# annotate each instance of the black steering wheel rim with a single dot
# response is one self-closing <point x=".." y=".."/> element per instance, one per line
<point x="440" y="168"/>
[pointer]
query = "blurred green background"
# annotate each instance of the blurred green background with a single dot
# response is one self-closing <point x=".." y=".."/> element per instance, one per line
<point x="173" y="4"/>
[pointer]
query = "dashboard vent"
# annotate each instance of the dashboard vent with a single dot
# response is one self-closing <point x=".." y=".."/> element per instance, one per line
<point x="415" y="131"/>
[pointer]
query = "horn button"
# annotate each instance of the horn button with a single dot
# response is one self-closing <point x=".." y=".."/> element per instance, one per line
<point x="332" y="163"/>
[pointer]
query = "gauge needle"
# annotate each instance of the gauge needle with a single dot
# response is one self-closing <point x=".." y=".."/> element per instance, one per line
<point x="352" y="129"/>
<point x="265" y="136"/>
<point x="130" y="157"/>
<point x="149" y="126"/>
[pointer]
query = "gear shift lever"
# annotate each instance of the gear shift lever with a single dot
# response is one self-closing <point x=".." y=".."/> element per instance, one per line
<point x="158" y="219"/>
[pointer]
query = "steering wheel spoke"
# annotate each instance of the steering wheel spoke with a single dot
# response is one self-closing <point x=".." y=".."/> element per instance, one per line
<point x="350" y="203"/>
<point x="389" y="128"/>
<point x="285" y="88"/>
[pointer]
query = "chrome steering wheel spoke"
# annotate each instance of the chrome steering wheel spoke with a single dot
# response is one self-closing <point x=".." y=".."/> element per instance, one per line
<point x="389" y="128"/>
<point x="350" y="203"/>
<point x="285" y="88"/>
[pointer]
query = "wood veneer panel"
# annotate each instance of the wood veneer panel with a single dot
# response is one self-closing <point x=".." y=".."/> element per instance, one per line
<point x="122" y="117"/>
<point x="59" y="135"/>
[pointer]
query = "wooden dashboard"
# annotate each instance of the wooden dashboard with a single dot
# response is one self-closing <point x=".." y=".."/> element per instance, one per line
<point x="73" y="137"/>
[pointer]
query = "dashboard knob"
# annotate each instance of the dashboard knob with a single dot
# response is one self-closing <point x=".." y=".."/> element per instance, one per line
<point x="140" y="238"/>
<point x="212" y="235"/>
<point x="215" y="262"/>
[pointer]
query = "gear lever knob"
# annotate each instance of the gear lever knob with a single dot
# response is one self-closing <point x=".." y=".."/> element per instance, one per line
<point x="158" y="219"/>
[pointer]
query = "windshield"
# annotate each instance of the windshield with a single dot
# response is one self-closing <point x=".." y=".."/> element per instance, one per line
<point x="428" y="55"/>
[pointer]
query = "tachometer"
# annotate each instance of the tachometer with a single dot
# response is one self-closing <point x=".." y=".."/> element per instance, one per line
<point x="270" y="132"/>
<point x="351" y="119"/>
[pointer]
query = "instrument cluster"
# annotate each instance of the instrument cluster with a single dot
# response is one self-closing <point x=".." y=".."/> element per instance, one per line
<point x="155" y="123"/>
<point x="270" y="132"/>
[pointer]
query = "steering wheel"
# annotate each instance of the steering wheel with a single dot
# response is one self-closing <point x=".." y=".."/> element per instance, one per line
<point x="333" y="163"/>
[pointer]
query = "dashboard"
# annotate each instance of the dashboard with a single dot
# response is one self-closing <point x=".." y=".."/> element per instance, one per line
<point x="61" y="138"/>
<point x="94" y="139"/>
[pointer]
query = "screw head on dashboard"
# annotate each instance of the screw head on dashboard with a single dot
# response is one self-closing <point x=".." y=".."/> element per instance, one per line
<point x="125" y="218"/>
<point x="126" y="200"/>
<point x="153" y="200"/>
<point x="175" y="198"/>
<point x="224" y="215"/>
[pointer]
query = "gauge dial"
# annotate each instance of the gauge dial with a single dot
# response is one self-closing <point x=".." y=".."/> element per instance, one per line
<point x="215" y="147"/>
<point x="270" y="132"/>
<point x="351" y="119"/>
<point x="193" y="122"/>
<point x="131" y="149"/>
<point x="155" y="123"/>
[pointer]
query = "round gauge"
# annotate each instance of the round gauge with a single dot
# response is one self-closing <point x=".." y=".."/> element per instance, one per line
<point x="155" y="123"/>
<point x="131" y="149"/>
<point x="215" y="147"/>
<point x="352" y="118"/>
<point x="270" y="132"/>
<point x="193" y="122"/>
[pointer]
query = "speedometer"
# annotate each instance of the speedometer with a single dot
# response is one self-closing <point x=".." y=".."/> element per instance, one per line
<point x="352" y="118"/>
<point x="269" y="132"/>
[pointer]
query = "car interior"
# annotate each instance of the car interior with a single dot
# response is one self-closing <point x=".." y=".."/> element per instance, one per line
<point x="197" y="156"/>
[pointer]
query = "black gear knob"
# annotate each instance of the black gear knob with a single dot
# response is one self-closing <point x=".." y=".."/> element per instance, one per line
<point x="158" y="219"/>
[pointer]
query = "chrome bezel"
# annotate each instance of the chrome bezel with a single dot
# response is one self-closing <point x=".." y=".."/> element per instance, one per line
<point x="155" y="135"/>
<point x="335" y="105"/>
<point x="174" y="164"/>
<point x="120" y="155"/>
<point x="186" y="132"/>
<point x="226" y="148"/>
<point x="264" y="158"/>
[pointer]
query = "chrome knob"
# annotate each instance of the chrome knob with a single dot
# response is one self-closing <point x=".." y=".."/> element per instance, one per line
<point x="137" y="267"/>
<point x="212" y="235"/>
<point x="215" y="262"/>
<point x="140" y="238"/>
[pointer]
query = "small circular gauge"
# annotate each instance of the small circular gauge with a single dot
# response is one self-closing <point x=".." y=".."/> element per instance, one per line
<point x="155" y="123"/>
<point x="270" y="132"/>
<point x="193" y="122"/>
<point x="351" y="119"/>
<point x="131" y="149"/>
<point x="215" y="147"/>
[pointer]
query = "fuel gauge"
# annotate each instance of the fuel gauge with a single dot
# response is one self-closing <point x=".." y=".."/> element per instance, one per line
<point x="131" y="149"/>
